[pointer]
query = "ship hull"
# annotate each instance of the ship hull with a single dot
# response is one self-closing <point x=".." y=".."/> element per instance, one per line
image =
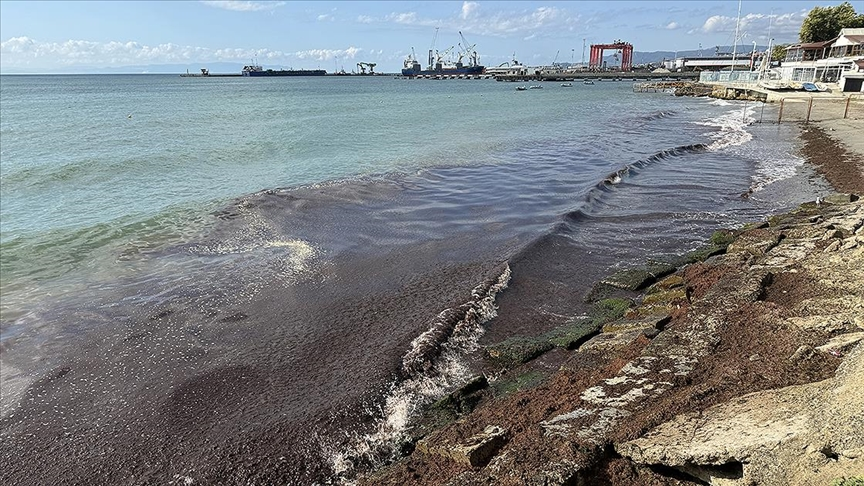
<point x="299" y="72"/>
<point x="469" y="70"/>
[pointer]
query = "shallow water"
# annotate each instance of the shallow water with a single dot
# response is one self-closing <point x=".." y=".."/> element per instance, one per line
<point x="201" y="273"/>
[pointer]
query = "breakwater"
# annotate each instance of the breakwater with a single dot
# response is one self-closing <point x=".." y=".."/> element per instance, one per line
<point x="604" y="76"/>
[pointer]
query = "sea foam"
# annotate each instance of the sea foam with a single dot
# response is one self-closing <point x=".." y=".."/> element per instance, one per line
<point x="443" y="369"/>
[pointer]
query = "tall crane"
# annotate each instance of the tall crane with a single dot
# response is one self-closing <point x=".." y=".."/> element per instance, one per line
<point x="363" y="65"/>
<point x="469" y="50"/>
<point x="432" y="48"/>
<point x="443" y="54"/>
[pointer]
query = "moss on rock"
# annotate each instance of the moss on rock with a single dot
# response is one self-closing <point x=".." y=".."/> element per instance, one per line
<point x="517" y="383"/>
<point x="608" y="310"/>
<point x="517" y="350"/>
<point x="571" y="335"/>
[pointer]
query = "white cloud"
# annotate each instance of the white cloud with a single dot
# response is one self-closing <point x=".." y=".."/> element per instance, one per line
<point x="242" y="6"/>
<point x="407" y="18"/>
<point x="756" y="25"/>
<point x="542" y="21"/>
<point x="24" y="52"/>
<point x="469" y="9"/>
<point x="325" y="17"/>
<point x="672" y="26"/>
<point x="328" y="54"/>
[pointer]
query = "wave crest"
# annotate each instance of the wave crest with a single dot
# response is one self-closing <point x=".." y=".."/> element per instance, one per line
<point x="433" y="365"/>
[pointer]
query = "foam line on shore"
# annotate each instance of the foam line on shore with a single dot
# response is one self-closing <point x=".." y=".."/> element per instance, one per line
<point x="433" y="365"/>
<point x="731" y="127"/>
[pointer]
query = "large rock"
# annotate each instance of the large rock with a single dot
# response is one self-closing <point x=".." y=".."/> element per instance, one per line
<point x="476" y="451"/>
<point x="799" y="435"/>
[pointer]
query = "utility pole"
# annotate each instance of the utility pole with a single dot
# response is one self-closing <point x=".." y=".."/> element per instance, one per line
<point x="735" y="41"/>
<point x="583" y="52"/>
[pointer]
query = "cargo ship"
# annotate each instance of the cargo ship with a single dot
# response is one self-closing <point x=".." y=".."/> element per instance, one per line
<point x="438" y="65"/>
<point x="256" y="71"/>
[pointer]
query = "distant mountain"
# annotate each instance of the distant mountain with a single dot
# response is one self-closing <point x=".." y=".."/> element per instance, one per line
<point x="214" y="67"/>
<point x="639" y="57"/>
<point x="656" y="57"/>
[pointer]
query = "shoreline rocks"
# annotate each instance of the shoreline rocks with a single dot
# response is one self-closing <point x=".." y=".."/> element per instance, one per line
<point x="722" y="372"/>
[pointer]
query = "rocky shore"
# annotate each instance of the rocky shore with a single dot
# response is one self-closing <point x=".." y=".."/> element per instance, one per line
<point x="739" y="363"/>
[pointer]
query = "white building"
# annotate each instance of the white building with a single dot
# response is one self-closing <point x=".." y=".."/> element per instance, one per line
<point x="832" y="61"/>
<point x="743" y="62"/>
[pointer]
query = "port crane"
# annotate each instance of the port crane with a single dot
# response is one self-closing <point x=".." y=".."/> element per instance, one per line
<point x="442" y="55"/>
<point x="363" y="65"/>
<point x="432" y="47"/>
<point x="468" y="50"/>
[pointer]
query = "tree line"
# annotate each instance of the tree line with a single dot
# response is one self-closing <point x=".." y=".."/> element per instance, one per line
<point x="822" y="24"/>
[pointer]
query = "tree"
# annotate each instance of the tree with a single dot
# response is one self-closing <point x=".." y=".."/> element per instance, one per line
<point x="778" y="52"/>
<point x="825" y="23"/>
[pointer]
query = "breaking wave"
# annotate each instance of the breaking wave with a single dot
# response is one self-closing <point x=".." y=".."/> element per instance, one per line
<point x="432" y="366"/>
<point x="657" y="115"/>
<point x="618" y="175"/>
<point x="731" y="127"/>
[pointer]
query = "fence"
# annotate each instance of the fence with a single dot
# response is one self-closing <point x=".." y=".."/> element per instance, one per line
<point x="807" y="109"/>
<point x="739" y="77"/>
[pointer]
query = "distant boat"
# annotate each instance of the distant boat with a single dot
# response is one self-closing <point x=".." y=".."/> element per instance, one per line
<point x="567" y="85"/>
<point x="521" y="88"/>
<point x="255" y="70"/>
<point x="438" y="66"/>
<point x="535" y="86"/>
<point x="588" y="81"/>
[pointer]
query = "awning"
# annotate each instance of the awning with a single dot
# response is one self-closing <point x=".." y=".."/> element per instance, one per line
<point x="812" y="45"/>
<point x="849" y="40"/>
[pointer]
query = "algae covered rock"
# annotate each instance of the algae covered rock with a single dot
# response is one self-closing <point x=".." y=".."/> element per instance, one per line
<point x="639" y="278"/>
<point x="456" y="404"/>
<point x="608" y="310"/>
<point x="571" y="335"/>
<point x="755" y="242"/>
<point x="517" y="350"/>
<point x="840" y="198"/>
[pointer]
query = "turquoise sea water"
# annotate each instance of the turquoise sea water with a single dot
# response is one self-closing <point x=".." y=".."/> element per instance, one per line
<point x="252" y="241"/>
<point x="88" y="161"/>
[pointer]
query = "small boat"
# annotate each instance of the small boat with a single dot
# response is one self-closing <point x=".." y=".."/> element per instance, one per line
<point x="588" y="81"/>
<point x="535" y="86"/>
<point x="812" y="88"/>
<point x="567" y="85"/>
<point x="521" y="88"/>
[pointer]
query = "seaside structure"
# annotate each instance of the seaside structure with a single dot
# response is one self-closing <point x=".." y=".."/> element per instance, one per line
<point x="839" y="60"/>
<point x="715" y="63"/>
<point x="512" y="68"/>
<point x="625" y="48"/>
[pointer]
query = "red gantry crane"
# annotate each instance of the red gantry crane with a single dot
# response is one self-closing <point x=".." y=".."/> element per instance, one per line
<point x="596" y="59"/>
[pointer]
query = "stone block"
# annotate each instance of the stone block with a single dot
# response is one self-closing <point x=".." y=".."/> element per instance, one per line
<point x="479" y="449"/>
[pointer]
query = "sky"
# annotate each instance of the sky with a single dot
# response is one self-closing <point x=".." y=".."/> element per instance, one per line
<point x="71" y="36"/>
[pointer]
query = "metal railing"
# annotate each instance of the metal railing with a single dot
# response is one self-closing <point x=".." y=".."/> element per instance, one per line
<point x="819" y="109"/>
<point x="738" y="77"/>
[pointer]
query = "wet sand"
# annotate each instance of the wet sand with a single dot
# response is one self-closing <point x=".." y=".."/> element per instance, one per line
<point x="836" y="149"/>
